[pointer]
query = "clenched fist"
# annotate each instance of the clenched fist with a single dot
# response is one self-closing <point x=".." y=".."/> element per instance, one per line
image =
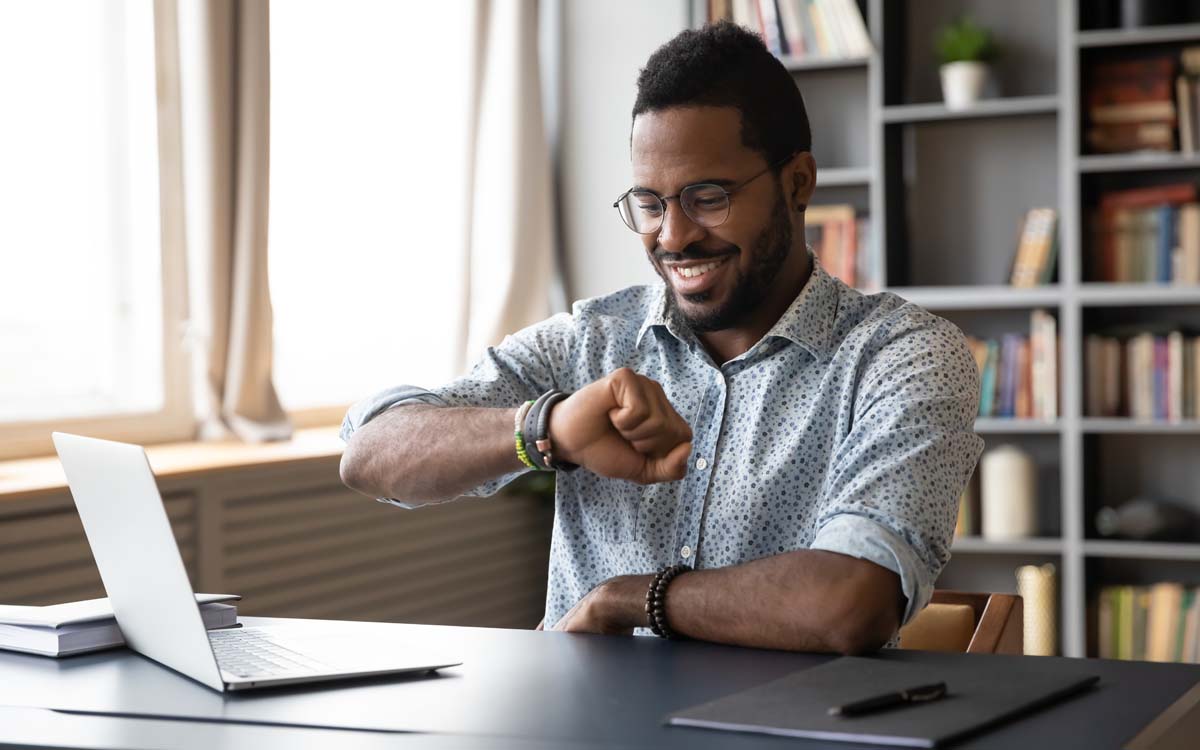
<point x="622" y="427"/>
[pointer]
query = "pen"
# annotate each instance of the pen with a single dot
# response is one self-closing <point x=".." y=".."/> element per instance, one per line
<point x="909" y="696"/>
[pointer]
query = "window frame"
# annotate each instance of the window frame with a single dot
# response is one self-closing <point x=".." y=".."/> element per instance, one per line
<point x="176" y="419"/>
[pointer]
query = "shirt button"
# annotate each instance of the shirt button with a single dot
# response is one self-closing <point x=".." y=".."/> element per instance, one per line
<point x="701" y="464"/>
<point x="686" y="552"/>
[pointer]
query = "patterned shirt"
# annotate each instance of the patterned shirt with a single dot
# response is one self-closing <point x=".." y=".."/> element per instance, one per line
<point x="847" y="427"/>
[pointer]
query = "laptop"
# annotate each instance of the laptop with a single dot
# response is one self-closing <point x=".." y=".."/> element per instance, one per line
<point x="152" y="598"/>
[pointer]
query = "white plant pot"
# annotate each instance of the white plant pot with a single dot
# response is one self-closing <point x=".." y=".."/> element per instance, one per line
<point x="963" y="83"/>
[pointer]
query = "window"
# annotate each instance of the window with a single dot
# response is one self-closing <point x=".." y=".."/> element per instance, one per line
<point x="81" y="292"/>
<point x="369" y="140"/>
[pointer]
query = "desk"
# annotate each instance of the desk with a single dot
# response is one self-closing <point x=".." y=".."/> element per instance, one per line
<point x="527" y="689"/>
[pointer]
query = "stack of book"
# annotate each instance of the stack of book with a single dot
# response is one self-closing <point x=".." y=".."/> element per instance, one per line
<point x="1019" y="374"/>
<point x="1131" y="104"/>
<point x="1147" y="375"/>
<point x="800" y="28"/>
<point x="79" y="627"/>
<point x="1153" y="623"/>
<point x="1149" y="234"/>
<point x="840" y="240"/>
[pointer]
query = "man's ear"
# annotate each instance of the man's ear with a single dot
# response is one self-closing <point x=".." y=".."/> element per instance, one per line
<point x="800" y="178"/>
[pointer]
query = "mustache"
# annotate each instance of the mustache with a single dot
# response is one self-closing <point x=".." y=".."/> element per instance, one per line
<point x="691" y="252"/>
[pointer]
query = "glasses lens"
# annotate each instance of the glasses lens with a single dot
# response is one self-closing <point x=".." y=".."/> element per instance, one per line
<point x="707" y="205"/>
<point x="642" y="211"/>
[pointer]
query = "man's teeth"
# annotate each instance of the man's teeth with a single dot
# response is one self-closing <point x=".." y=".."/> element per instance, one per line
<point x="694" y="271"/>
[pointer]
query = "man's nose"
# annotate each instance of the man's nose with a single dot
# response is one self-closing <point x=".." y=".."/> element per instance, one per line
<point x="678" y="230"/>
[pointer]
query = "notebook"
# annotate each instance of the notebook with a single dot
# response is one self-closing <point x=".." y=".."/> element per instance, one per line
<point x="981" y="692"/>
<point x="79" y="627"/>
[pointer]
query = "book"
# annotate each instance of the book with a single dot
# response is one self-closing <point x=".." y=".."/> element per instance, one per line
<point x="832" y="232"/>
<point x="987" y="397"/>
<point x="1104" y="624"/>
<point x="80" y="627"/>
<point x="1044" y="366"/>
<point x="1179" y="647"/>
<point x="1033" y="263"/>
<point x="1162" y="620"/>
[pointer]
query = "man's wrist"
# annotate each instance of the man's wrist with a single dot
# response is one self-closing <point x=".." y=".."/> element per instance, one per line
<point x="561" y="451"/>
<point x="623" y="600"/>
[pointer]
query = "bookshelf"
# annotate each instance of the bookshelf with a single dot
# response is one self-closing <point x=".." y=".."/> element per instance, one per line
<point x="929" y="178"/>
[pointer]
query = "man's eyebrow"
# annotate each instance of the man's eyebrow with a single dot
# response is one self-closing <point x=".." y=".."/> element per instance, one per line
<point x="723" y="182"/>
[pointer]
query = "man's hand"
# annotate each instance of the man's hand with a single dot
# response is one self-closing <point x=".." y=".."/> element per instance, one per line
<point x="615" y="607"/>
<point x="622" y="427"/>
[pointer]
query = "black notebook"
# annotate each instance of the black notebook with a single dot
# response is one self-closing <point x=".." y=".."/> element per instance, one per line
<point x="981" y="692"/>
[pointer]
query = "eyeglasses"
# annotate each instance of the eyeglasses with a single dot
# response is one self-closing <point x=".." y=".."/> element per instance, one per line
<point x="704" y="203"/>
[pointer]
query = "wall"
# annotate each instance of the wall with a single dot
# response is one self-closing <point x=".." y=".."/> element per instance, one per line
<point x="604" y="45"/>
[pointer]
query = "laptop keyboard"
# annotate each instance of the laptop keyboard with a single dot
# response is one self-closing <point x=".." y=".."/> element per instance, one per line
<point x="248" y="652"/>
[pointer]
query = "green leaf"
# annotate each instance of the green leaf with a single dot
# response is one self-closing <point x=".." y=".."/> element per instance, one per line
<point x="964" y="41"/>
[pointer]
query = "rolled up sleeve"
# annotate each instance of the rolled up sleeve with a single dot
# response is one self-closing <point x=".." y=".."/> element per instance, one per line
<point x="520" y="368"/>
<point x="891" y="495"/>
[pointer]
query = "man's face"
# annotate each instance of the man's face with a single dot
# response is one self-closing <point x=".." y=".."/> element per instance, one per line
<point x="717" y="276"/>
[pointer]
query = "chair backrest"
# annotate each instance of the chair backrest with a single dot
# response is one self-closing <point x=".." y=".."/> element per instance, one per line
<point x="973" y="623"/>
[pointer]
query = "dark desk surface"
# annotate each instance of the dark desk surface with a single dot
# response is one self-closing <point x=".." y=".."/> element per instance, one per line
<point x="534" y="689"/>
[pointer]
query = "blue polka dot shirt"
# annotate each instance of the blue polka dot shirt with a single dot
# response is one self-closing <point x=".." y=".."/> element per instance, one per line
<point x="847" y="428"/>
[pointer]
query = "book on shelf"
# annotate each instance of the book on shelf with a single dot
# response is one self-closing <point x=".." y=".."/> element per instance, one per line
<point x="80" y="627"/>
<point x="1149" y="374"/>
<point x="1159" y="622"/>
<point x="1149" y="234"/>
<point x="840" y="239"/>
<point x="1187" y="98"/>
<point x="1018" y="375"/>
<point x="825" y="29"/>
<point x="1131" y="104"/>
<point x="1037" y="248"/>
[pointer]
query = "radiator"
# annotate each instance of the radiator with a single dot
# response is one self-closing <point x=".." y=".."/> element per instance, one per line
<point x="296" y="543"/>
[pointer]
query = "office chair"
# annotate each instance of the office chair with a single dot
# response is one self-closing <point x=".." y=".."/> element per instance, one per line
<point x="963" y="622"/>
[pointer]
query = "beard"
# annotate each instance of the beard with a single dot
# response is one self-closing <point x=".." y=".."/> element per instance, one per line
<point x="769" y="252"/>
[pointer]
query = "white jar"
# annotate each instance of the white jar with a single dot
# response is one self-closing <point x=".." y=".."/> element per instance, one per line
<point x="1008" y="493"/>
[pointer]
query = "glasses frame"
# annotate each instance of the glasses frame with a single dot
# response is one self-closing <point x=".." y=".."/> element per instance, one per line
<point x="662" y="200"/>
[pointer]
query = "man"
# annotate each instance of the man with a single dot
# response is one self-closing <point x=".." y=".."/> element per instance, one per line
<point x="798" y="446"/>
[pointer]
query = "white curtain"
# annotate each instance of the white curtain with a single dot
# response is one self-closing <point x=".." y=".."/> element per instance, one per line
<point x="510" y="204"/>
<point x="224" y="64"/>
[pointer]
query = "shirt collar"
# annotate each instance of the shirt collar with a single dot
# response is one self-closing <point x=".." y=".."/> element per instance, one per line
<point x="808" y="322"/>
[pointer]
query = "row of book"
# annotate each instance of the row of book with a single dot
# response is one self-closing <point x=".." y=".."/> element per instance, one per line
<point x="1147" y="375"/>
<point x="1160" y="622"/>
<point x="1149" y="234"/>
<point x="800" y="28"/>
<point x="1141" y="104"/>
<point x="840" y="238"/>
<point x="1018" y="374"/>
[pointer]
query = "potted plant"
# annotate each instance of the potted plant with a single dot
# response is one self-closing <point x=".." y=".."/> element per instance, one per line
<point x="965" y="50"/>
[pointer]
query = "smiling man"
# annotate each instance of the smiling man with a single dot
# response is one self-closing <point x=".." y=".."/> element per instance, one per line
<point x="749" y="452"/>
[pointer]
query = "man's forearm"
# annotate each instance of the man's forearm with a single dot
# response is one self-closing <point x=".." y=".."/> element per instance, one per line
<point x="807" y="600"/>
<point x="421" y="454"/>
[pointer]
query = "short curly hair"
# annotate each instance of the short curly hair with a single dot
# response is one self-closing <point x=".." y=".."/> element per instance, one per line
<point x="725" y="65"/>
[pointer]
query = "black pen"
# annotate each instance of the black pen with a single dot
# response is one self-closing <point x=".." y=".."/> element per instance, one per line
<point x="910" y="696"/>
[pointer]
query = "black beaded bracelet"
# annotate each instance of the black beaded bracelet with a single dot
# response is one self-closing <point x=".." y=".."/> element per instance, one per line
<point x="656" y="600"/>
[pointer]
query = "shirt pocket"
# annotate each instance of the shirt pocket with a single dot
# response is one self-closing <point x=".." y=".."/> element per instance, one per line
<point x="616" y="511"/>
